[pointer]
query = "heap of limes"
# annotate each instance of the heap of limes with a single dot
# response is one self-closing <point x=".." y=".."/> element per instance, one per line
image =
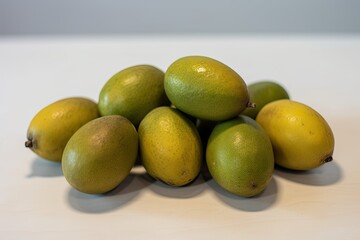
<point x="200" y="112"/>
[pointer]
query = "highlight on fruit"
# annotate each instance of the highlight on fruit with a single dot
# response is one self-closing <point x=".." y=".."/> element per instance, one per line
<point x="197" y="117"/>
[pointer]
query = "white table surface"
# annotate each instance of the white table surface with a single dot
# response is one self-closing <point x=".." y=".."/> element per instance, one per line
<point x="36" y="202"/>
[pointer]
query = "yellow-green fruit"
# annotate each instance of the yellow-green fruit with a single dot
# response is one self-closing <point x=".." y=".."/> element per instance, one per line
<point x="205" y="88"/>
<point x="240" y="157"/>
<point x="100" y="155"/>
<point x="262" y="93"/>
<point x="170" y="146"/>
<point x="301" y="137"/>
<point x="52" y="127"/>
<point x="133" y="92"/>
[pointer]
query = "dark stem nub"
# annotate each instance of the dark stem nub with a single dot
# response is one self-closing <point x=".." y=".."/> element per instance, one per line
<point x="328" y="159"/>
<point x="28" y="144"/>
<point x="251" y="105"/>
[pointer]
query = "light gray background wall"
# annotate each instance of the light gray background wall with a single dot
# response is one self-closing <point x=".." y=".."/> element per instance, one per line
<point x="22" y="17"/>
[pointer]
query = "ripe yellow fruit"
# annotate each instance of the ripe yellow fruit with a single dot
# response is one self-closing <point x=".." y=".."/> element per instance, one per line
<point x="170" y="146"/>
<point x="52" y="127"/>
<point x="133" y="92"/>
<point x="301" y="137"/>
<point x="100" y="155"/>
<point x="205" y="88"/>
<point x="240" y="157"/>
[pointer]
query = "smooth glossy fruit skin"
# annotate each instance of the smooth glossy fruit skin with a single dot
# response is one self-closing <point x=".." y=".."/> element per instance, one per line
<point x="205" y="88"/>
<point x="239" y="156"/>
<point x="262" y="93"/>
<point x="170" y="146"/>
<point x="100" y="155"/>
<point x="133" y="92"/>
<point x="52" y="127"/>
<point x="301" y="137"/>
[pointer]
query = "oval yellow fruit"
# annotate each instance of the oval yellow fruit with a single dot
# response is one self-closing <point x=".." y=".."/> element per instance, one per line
<point x="301" y="137"/>
<point x="170" y="146"/>
<point x="100" y="155"/>
<point x="239" y="156"/>
<point x="133" y="92"/>
<point x="52" y="127"/>
<point x="205" y="88"/>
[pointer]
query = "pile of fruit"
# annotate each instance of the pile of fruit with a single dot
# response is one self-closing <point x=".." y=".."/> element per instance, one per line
<point x="198" y="113"/>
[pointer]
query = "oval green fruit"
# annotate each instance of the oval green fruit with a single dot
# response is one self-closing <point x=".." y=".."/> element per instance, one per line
<point x="133" y="92"/>
<point x="239" y="156"/>
<point x="52" y="126"/>
<point x="100" y="155"/>
<point x="205" y="88"/>
<point x="301" y="137"/>
<point x="170" y="146"/>
<point x="262" y="93"/>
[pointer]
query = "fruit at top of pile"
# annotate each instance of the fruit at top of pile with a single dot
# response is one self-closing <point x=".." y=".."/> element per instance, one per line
<point x="301" y="137"/>
<point x="240" y="157"/>
<point x="100" y="155"/>
<point x="205" y="88"/>
<point x="170" y="146"/>
<point x="262" y="93"/>
<point x="133" y="92"/>
<point x="52" y="126"/>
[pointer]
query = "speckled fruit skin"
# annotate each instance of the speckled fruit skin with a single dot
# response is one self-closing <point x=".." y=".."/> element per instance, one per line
<point x="170" y="146"/>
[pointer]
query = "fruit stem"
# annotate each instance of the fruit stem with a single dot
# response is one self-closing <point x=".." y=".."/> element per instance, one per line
<point x="251" y="105"/>
<point x="328" y="159"/>
<point x="28" y="144"/>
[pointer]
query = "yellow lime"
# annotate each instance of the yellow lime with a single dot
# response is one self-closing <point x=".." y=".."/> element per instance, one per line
<point x="52" y="127"/>
<point x="170" y="146"/>
<point x="301" y="137"/>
